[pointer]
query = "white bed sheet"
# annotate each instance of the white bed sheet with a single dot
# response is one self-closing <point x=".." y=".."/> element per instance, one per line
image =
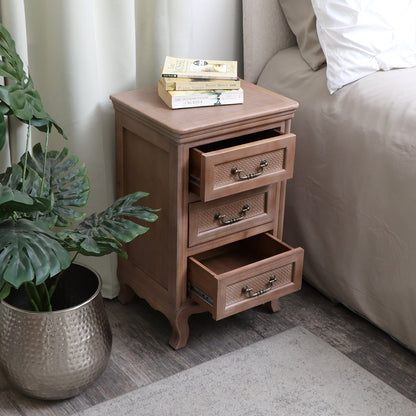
<point x="352" y="202"/>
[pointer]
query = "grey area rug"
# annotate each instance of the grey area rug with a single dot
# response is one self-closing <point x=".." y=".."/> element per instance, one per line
<point x="293" y="373"/>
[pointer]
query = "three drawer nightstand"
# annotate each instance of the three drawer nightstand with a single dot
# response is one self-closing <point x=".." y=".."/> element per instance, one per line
<point x="219" y="176"/>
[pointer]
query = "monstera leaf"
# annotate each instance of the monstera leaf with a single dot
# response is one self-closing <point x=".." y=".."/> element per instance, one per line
<point x="24" y="101"/>
<point x="65" y="182"/>
<point x="29" y="252"/>
<point x="104" y="233"/>
<point x="11" y="66"/>
<point x="64" y="186"/>
<point x="13" y="200"/>
<point x="3" y="130"/>
<point x="18" y="96"/>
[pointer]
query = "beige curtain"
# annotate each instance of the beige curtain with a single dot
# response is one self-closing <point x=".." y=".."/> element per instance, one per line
<point x="186" y="28"/>
<point x="81" y="51"/>
<point x="78" y="53"/>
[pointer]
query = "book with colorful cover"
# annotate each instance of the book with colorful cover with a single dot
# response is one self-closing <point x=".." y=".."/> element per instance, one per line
<point x="195" y="84"/>
<point x="188" y="99"/>
<point x="199" y="68"/>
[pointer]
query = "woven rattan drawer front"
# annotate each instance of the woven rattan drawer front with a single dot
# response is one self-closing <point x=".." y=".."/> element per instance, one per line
<point x="241" y="164"/>
<point x="244" y="274"/>
<point x="225" y="216"/>
<point x="234" y="293"/>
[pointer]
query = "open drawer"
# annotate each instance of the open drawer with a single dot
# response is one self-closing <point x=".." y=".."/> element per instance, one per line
<point x="244" y="274"/>
<point x="235" y="165"/>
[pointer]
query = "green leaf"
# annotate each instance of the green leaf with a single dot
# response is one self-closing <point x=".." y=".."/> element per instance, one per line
<point x="106" y="232"/>
<point x="88" y="244"/>
<point x="29" y="252"/>
<point x="4" y="290"/>
<point x="46" y="124"/>
<point x="18" y="94"/>
<point x="3" y="131"/>
<point x="12" y="65"/>
<point x="7" y="71"/>
<point x="13" y="200"/>
<point x="65" y="182"/>
<point x="7" y="195"/>
<point x="25" y="102"/>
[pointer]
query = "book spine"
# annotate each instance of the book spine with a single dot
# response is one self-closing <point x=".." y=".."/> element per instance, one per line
<point x="169" y="84"/>
<point x="207" y="85"/>
<point x="208" y="75"/>
<point x="187" y="84"/>
<point x="199" y="68"/>
<point x="206" y="100"/>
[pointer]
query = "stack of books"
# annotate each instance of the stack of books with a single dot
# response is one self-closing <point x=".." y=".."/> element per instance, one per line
<point x="186" y="83"/>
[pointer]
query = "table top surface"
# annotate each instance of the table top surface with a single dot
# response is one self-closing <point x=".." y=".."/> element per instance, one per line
<point x="259" y="104"/>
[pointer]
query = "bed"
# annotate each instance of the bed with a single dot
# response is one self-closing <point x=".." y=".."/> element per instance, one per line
<point x="352" y="202"/>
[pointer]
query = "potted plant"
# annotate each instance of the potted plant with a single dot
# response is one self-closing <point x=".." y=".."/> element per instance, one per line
<point x="54" y="335"/>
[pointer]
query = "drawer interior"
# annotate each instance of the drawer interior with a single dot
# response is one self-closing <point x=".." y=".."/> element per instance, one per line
<point x="238" y="141"/>
<point x="241" y="253"/>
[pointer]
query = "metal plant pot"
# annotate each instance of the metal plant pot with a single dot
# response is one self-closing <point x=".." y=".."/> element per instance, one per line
<point x="56" y="355"/>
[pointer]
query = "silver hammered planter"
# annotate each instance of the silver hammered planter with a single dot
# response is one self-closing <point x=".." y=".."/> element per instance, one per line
<point x="56" y="355"/>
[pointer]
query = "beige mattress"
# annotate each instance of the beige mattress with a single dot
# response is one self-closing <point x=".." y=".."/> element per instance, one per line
<point x="352" y="202"/>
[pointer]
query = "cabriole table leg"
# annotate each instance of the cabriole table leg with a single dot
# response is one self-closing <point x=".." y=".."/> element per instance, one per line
<point x="180" y="325"/>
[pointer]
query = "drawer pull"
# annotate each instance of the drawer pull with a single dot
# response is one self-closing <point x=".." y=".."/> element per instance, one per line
<point x="251" y="294"/>
<point x="235" y="171"/>
<point x="220" y="217"/>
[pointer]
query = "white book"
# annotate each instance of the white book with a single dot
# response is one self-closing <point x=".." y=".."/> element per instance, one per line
<point x="199" y="68"/>
<point x="188" y="99"/>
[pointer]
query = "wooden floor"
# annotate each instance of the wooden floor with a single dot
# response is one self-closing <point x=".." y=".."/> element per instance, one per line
<point x="141" y="354"/>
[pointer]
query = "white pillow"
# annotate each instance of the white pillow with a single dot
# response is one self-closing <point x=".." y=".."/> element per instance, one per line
<point x="360" y="37"/>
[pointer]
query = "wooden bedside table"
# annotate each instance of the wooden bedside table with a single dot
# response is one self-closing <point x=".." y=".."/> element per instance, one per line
<point x="219" y="176"/>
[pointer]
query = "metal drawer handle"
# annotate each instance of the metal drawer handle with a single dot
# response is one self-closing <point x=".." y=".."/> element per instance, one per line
<point x="235" y="171"/>
<point x="249" y="290"/>
<point x="220" y="217"/>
